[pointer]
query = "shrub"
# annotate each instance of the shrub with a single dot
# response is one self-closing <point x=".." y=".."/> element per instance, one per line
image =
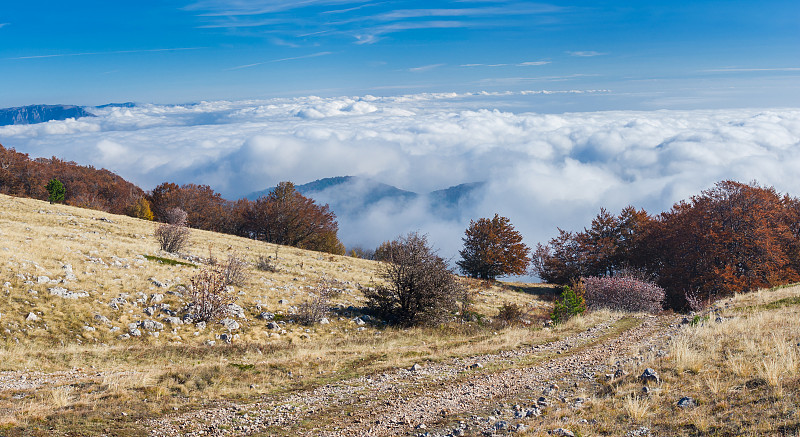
<point x="208" y="296"/>
<point x="264" y="263"/>
<point x="420" y="288"/>
<point x="623" y="293"/>
<point x="318" y="307"/>
<point x="511" y="314"/>
<point x="173" y="235"/>
<point x="571" y="304"/>
<point x="234" y="271"/>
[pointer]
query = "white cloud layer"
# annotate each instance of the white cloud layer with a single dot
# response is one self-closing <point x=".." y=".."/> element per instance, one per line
<point x="542" y="170"/>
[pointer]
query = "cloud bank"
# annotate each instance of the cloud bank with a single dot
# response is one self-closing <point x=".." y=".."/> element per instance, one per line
<point x="541" y="170"/>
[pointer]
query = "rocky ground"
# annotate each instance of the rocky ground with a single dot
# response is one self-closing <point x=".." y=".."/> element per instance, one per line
<point x="506" y="392"/>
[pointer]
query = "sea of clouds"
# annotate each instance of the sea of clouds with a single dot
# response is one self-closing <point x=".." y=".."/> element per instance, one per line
<point x="541" y="170"/>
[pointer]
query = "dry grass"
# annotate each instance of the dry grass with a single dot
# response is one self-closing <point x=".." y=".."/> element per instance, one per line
<point x="636" y="407"/>
<point x="743" y="372"/>
<point x="177" y="369"/>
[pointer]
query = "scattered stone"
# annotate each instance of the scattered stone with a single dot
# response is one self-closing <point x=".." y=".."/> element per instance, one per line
<point x="135" y="333"/>
<point x="101" y="318"/>
<point x="229" y="324"/>
<point x="283" y="302"/>
<point x="686" y="321"/>
<point x="719" y="319"/>
<point x="156" y="298"/>
<point x="273" y="325"/>
<point x="359" y="321"/>
<point x="548" y="323"/>
<point x="474" y="366"/>
<point x="88" y="328"/>
<point x="210" y="342"/>
<point x="646" y="390"/>
<point x="533" y="412"/>
<point x="200" y="325"/>
<point x="152" y="325"/>
<point x="69" y="275"/>
<point x="157" y="283"/>
<point x="225" y="337"/>
<point x="32" y="317"/>
<point x="265" y="316"/>
<point x="619" y="374"/>
<point x="542" y="401"/>
<point x="117" y="302"/>
<point x="500" y="425"/>
<point x="415" y="368"/>
<point x="42" y="280"/>
<point x="235" y="311"/>
<point x="562" y="432"/>
<point x="66" y="294"/>
<point x="686" y="402"/>
<point x="172" y="321"/>
<point x="324" y="321"/>
<point x="125" y="336"/>
<point x="649" y="375"/>
<point x="639" y="432"/>
<point x="150" y="311"/>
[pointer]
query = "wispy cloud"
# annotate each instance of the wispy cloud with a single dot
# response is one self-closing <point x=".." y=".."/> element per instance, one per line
<point x="365" y="22"/>
<point x="2" y="25"/>
<point x="532" y="63"/>
<point x="313" y="55"/>
<point x="746" y="70"/>
<point x="115" y="52"/>
<point x="586" y="53"/>
<point x="425" y="68"/>
<point x="520" y="64"/>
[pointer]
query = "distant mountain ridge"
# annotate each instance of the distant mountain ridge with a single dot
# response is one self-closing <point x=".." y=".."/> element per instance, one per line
<point x="351" y="195"/>
<point x="33" y="114"/>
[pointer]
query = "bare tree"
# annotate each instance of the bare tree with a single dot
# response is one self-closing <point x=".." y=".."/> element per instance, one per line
<point x="173" y="235"/>
<point x="420" y="288"/>
<point x="209" y="296"/>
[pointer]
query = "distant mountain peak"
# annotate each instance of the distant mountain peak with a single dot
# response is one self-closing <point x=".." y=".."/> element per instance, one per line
<point x="33" y="114"/>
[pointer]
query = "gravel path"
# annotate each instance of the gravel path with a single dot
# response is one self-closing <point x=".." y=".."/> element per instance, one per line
<point x="441" y="399"/>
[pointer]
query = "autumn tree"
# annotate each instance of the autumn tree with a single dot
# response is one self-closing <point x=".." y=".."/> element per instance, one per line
<point x="492" y="248"/>
<point x="88" y="187"/>
<point x="141" y="209"/>
<point x="420" y="288"/>
<point x="733" y="237"/>
<point x="611" y="244"/>
<point x="285" y="216"/>
<point x="206" y="209"/>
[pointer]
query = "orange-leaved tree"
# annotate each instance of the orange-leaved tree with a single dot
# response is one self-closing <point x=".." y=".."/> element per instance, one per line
<point x="492" y="248"/>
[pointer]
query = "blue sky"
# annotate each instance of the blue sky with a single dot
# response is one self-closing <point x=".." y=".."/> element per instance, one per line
<point x="648" y="54"/>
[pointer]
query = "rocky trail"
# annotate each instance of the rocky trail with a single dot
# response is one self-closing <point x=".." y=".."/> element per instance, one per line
<point x="503" y="392"/>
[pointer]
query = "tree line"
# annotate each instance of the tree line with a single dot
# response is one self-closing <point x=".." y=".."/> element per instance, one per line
<point x="731" y="238"/>
<point x="85" y="186"/>
<point x="283" y="216"/>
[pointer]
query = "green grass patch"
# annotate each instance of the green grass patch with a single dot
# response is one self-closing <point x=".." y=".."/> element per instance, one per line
<point x="242" y="367"/>
<point x="780" y="303"/>
<point x="167" y="261"/>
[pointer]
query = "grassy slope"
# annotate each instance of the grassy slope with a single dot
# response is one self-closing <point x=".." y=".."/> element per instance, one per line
<point x="151" y="375"/>
<point x="743" y="372"/>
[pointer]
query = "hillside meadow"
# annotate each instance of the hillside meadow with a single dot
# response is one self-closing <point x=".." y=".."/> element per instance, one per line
<point x="74" y="282"/>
